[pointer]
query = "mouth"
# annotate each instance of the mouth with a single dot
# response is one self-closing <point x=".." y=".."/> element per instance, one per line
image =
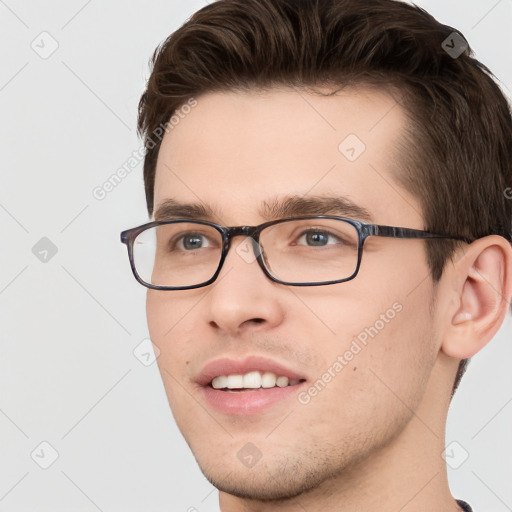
<point x="252" y="381"/>
<point x="248" y="386"/>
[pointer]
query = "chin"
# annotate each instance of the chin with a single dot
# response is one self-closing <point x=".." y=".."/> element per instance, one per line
<point x="272" y="478"/>
<point x="259" y="484"/>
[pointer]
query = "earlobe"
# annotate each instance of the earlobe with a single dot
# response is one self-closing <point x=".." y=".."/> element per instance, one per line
<point x="482" y="288"/>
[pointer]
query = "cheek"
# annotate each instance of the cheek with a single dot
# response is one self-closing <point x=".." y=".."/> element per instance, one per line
<point x="379" y="326"/>
<point x="371" y="376"/>
<point x="167" y="319"/>
<point x="167" y="313"/>
<point x="154" y="315"/>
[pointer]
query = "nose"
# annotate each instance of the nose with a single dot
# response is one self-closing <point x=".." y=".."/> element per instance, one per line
<point x="243" y="297"/>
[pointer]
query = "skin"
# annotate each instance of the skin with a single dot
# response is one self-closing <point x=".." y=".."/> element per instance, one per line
<point x="373" y="438"/>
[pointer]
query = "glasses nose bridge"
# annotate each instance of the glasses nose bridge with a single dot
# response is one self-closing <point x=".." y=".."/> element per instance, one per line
<point x="249" y="231"/>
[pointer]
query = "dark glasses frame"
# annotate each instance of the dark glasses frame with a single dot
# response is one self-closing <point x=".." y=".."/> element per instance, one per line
<point x="364" y="231"/>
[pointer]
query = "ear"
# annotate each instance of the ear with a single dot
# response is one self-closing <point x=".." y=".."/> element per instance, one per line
<point x="481" y="290"/>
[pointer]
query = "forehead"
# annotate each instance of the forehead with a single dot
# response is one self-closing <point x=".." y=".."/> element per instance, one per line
<point x="236" y="150"/>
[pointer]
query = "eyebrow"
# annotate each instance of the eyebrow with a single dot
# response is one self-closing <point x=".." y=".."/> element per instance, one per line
<point x="279" y="207"/>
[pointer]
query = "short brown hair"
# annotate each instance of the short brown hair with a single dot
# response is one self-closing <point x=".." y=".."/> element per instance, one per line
<point x="458" y="160"/>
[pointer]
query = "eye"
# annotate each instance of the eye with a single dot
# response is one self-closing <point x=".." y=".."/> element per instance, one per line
<point x="191" y="241"/>
<point x="318" y="238"/>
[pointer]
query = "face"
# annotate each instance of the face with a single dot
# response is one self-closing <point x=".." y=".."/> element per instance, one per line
<point x="354" y="347"/>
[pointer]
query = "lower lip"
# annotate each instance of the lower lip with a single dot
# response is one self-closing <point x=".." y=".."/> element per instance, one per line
<point x="248" y="402"/>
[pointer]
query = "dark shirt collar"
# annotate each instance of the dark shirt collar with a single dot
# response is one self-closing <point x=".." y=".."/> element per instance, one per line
<point x="464" y="506"/>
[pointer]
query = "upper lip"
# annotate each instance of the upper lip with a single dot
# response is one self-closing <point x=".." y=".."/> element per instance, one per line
<point x="228" y="366"/>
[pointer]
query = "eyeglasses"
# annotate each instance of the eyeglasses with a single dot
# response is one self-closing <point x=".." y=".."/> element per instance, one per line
<point x="298" y="251"/>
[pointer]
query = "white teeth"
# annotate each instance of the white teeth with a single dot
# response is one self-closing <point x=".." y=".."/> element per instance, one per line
<point x="220" y="382"/>
<point x="282" y="382"/>
<point x="268" y="380"/>
<point x="235" y="381"/>
<point x="252" y="380"/>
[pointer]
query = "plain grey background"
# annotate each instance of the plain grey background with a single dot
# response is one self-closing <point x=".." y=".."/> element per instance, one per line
<point x="73" y="374"/>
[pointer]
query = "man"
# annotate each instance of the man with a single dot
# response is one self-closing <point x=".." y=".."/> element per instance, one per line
<point x="310" y="355"/>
